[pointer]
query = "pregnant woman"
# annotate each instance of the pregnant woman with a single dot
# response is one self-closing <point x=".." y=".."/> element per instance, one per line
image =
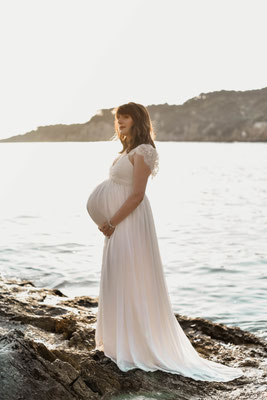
<point x="136" y="326"/>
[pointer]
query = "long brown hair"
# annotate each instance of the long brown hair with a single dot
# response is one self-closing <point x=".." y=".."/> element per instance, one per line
<point x="142" y="130"/>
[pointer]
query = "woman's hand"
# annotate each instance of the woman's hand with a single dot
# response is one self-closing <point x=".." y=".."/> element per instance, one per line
<point x="106" y="229"/>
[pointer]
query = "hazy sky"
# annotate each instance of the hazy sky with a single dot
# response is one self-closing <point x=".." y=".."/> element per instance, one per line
<point x="62" y="60"/>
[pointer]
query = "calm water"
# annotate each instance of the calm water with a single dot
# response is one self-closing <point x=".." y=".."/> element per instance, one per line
<point x="209" y="202"/>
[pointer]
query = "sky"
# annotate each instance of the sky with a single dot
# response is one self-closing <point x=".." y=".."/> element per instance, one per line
<point x="63" y="60"/>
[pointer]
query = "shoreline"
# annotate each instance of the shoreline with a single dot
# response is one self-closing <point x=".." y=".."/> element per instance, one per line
<point x="47" y="343"/>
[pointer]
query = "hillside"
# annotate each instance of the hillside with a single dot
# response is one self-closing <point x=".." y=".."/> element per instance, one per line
<point x="222" y="116"/>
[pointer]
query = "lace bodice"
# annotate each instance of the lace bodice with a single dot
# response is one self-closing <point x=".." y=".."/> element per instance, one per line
<point x="122" y="168"/>
<point x="151" y="156"/>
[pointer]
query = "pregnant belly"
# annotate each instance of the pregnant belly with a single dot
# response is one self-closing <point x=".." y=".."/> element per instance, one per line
<point x="106" y="199"/>
<point x="97" y="204"/>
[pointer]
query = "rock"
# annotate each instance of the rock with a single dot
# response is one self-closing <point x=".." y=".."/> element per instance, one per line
<point x="84" y="301"/>
<point x="221" y="116"/>
<point x="47" y="351"/>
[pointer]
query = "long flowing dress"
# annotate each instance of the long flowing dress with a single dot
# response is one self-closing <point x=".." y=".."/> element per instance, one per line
<point x="136" y="326"/>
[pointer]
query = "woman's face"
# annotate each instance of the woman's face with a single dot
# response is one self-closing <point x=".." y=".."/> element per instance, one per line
<point x="125" y="122"/>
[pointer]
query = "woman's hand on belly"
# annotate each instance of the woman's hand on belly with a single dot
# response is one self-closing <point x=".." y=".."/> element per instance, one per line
<point x="106" y="229"/>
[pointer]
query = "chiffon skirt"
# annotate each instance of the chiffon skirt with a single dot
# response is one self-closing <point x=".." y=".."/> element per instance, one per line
<point x="136" y="326"/>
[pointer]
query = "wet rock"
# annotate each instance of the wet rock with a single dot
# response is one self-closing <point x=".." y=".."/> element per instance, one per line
<point x="47" y="351"/>
<point x="84" y="301"/>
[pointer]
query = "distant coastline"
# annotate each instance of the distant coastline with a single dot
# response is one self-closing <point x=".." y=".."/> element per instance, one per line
<point x="221" y="116"/>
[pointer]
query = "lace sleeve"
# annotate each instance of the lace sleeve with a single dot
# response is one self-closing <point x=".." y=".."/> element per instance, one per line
<point x="150" y="155"/>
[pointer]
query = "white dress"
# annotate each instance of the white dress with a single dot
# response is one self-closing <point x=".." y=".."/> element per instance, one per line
<point x="136" y="326"/>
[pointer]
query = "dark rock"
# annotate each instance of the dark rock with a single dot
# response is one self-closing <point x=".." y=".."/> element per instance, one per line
<point x="84" y="301"/>
<point x="47" y="351"/>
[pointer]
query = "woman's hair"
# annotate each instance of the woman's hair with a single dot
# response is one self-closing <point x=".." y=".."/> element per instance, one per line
<point x="142" y="130"/>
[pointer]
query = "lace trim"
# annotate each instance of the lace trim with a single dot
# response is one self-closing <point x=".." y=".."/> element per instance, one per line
<point x="150" y="155"/>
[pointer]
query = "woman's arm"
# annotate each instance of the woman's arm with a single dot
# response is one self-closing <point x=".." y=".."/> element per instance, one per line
<point x="141" y="172"/>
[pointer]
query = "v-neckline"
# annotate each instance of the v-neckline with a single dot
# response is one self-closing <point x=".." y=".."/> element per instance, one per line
<point x="118" y="159"/>
<point x="122" y="155"/>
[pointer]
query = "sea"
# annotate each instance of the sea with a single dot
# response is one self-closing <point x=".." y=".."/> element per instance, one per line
<point x="209" y="202"/>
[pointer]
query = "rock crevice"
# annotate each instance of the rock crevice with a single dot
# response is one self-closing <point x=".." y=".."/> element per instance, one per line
<point x="47" y="351"/>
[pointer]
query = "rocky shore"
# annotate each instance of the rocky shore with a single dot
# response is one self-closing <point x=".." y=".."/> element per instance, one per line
<point x="47" y="352"/>
<point x="220" y="116"/>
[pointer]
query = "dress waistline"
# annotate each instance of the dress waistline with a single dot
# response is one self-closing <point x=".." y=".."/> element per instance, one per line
<point x="120" y="181"/>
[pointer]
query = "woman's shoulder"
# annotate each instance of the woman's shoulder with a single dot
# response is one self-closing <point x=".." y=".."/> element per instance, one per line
<point x="150" y="155"/>
<point x="145" y="147"/>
